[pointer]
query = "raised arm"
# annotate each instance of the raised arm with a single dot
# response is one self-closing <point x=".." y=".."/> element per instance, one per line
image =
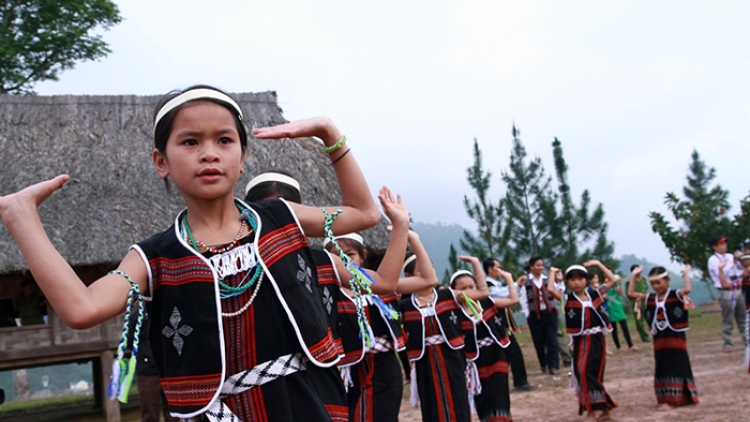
<point x="425" y="273"/>
<point x="512" y="298"/>
<point x="482" y="291"/>
<point x="77" y="305"/>
<point x="606" y="273"/>
<point x="635" y="275"/>
<point x="551" y="283"/>
<point x="687" y="288"/>
<point x="359" y="209"/>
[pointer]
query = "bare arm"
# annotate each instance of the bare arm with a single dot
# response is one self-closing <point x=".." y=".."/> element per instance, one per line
<point x="512" y="298"/>
<point x="687" y="288"/>
<point x="482" y="291"/>
<point x="722" y="277"/>
<point x="551" y="283"/>
<point x="359" y="209"/>
<point x="606" y="273"/>
<point x="77" y="305"/>
<point x="427" y="276"/>
<point x="635" y="275"/>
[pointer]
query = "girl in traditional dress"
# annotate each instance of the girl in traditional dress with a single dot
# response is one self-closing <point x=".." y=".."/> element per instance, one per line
<point x="218" y="355"/>
<point x="486" y="339"/>
<point x="433" y="323"/>
<point x="586" y="320"/>
<point x="332" y="277"/>
<point x="667" y="317"/>
<point x="617" y="316"/>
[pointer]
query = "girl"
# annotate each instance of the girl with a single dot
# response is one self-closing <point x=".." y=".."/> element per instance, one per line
<point x="586" y="319"/>
<point x="433" y="324"/>
<point x="486" y="339"/>
<point x="217" y="354"/>
<point x="667" y="317"/>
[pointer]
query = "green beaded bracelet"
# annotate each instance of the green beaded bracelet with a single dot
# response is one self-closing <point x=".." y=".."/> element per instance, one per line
<point x="340" y="143"/>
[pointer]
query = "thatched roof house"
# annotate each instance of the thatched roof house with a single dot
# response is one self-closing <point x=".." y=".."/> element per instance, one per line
<point x="115" y="197"/>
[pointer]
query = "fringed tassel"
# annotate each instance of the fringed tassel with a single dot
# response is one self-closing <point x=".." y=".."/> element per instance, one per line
<point x="123" y="369"/>
<point x="687" y="302"/>
<point x="637" y="309"/>
<point x="573" y="380"/>
<point x="414" y="390"/>
<point x="473" y="384"/>
<point x="360" y="282"/>
<point x="387" y="309"/>
<point x="474" y="307"/>
<point x="346" y="377"/>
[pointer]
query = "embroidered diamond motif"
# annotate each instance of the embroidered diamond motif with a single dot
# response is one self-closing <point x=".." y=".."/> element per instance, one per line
<point x="175" y="332"/>
<point x="571" y="313"/>
<point x="454" y="318"/>
<point x="327" y="299"/>
<point x="677" y="312"/>
<point x="304" y="274"/>
<point x="498" y="320"/>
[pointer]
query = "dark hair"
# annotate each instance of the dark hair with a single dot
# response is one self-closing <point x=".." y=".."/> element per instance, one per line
<point x="453" y="283"/>
<point x="373" y="258"/>
<point x="330" y="247"/>
<point x="533" y="260"/>
<point x="632" y="267"/>
<point x="488" y="263"/>
<point x="657" y="270"/>
<point x="410" y="268"/>
<point x="577" y="273"/>
<point x="164" y="127"/>
<point x="274" y="189"/>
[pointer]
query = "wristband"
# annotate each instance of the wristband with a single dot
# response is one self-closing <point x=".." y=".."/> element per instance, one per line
<point x="337" y="145"/>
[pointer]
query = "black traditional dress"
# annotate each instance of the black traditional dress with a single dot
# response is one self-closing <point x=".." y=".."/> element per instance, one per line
<point x="434" y="343"/>
<point x="243" y="356"/>
<point x="486" y="340"/>
<point x="586" y="321"/>
<point x="673" y="377"/>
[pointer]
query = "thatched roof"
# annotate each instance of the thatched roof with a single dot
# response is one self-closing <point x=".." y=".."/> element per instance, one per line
<point x="115" y="197"/>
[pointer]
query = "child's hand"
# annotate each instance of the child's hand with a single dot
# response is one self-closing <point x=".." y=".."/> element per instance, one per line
<point x="320" y="127"/>
<point x="393" y="206"/>
<point x="687" y="269"/>
<point x="29" y="198"/>
<point x="637" y="271"/>
<point x="466" y="258"/>
<point x="554" y="270"/>
<point x="592" y="263"/>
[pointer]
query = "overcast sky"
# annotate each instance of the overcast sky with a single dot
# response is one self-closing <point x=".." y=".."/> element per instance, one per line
<point x="629" y="87"/>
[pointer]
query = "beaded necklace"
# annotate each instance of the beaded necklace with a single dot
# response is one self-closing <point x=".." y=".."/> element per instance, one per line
<point x="253" y="275"/>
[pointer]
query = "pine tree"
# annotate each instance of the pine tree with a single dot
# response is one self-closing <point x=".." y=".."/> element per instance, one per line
<point x="529" y="202"/>
<point x="491" y="239"/>
<point x="699" y="216"/>
<point x="454" y="264"/>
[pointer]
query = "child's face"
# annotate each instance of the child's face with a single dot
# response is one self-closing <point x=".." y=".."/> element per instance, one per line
<point x="594" y="282"/>
<point x="661" y="285"/>
<point x="352" y="252"/>
<point x="203" y="155"/>
<point x="465" y="283"/>
<point x="538" y="268"/>
<point x="577" y="283"/>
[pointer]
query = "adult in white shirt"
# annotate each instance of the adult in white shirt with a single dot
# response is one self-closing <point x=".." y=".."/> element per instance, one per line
<point x="726" y="273"/>
<point x="542" y="316"/>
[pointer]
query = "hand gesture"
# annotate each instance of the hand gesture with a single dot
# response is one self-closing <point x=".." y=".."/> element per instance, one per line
<point x="554" y="270"/>
<point x="466" y="258"/>
<point x="592" y="263"/>
<point x="687" y="269"/>
<point x="637" y="271"/>
<point x="393" y="206"/>
<point x="28" y="199"/>
<point x="320" y="127"/>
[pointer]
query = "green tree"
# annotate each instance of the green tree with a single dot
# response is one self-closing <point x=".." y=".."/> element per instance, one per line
<point x="576" y="225"/>
<point x="454" y="264"/>
<point x="700" y="215"/>
<point x="492" y="238"/>
<point x="529" y="202"/>
<point x="41" y="38"/>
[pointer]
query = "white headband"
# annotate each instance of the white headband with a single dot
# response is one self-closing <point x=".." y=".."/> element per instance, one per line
<point x="744" y="257"/>
<point x="272" y="177"/>
<point x="192" y="95"/>
<point x="460" y="273"/>
<point x="576" y="267"/>
<point x="658" y="276"/>
<point x="351" y="236"/>
<point x="408" y="261"/>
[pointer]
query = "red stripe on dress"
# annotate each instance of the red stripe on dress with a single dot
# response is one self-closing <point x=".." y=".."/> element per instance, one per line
<point x="280" y="242"/>
<point x="497" y="367"/>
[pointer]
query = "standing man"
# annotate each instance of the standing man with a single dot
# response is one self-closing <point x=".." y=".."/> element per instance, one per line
<point x="727" y="275"/>
<point x="639" y="306"/>
<point x="542" y="316"/>
<point x="513" y="351"/>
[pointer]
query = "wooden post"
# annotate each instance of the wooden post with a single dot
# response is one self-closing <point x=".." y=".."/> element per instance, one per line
<point x="101" y="381"/>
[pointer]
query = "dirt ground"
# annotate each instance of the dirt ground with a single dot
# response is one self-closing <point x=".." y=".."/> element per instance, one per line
<point x="722" y="382"/>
